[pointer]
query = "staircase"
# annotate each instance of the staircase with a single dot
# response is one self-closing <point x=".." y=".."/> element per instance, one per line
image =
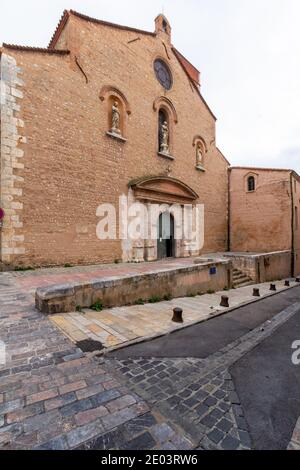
<point x="240" y="279"/>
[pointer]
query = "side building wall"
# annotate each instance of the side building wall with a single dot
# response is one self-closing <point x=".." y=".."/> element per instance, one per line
<point x="260" y="220"/>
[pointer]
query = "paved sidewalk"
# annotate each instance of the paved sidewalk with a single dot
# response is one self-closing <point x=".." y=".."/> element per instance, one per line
<point x="52" y="396"/>
<point x="32" y="279"/>
<point x="121" y="325"/>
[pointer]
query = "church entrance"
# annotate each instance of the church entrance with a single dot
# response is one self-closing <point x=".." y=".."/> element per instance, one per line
<point x="165" y="241"/>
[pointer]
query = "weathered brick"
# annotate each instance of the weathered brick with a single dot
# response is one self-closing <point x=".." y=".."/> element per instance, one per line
<point x="41" y="396"/>
<point x="89" y="391"/>
<point x="13" y="405"/>
<point x="85" y="417"/>
<point x="72" y="387"/>
<point x="60" y="401"/>
<point x="83" y="433"/>
<point x="120" y="403"/>
<point x="105" y="397"/>
<point x="24" y="413"/>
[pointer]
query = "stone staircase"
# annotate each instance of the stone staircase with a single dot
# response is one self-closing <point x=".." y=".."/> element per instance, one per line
<point x="240" y="279"/>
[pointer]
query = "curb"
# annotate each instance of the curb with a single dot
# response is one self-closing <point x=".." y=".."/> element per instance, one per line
<point x="214" y="314"/>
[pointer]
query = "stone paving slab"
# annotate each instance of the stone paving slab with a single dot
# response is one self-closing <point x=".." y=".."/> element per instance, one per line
<point x="53" y="396"/>
<point x="43" y="277"/>
<point x="199" y="395"/>
<point x="120" y="326"/>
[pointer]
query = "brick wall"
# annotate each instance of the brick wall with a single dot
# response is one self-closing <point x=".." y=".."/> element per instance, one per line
<point x="260" y="221"/>
<point x="71" y="165"/>
<point x="296" y="202"/>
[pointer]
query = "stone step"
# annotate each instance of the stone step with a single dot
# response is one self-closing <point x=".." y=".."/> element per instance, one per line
<point x="242" y="279"/>
<point x="243" y="284"/>
<point x="239" y="276"/>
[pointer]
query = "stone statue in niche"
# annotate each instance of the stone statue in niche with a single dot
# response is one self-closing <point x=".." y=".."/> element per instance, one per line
<point x="115" y="118"/>
<point x="164" y="146"/>
<point x="199" y="155"/>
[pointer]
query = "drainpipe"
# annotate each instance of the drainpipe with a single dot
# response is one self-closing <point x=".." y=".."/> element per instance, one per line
<point x="228" y="212"/>
<point x="292" y="228"/>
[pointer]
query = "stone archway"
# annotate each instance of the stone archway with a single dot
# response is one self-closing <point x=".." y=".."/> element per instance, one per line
<point x="171" y="195"/>
<point x="166" y="236"/>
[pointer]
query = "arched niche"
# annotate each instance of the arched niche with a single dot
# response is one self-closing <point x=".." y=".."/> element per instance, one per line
<point x="200" y="150"/>
<point x="111" y="96"/>
<point x="165" y="103"/>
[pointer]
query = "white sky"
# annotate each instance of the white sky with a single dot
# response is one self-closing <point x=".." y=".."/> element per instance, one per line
<point x="248" y="52"/>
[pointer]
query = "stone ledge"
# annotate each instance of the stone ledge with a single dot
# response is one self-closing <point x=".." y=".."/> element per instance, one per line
<point x="123" y="290"/>
<point x="165" y="155"/>
<point x="116" y="136"/>
<point x="200" y="168"/>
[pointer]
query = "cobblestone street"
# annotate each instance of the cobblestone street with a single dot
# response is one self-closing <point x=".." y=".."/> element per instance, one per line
<point x="54" y="396"/>
<point x="51" y="395"/>
<point x="199" y="395"/>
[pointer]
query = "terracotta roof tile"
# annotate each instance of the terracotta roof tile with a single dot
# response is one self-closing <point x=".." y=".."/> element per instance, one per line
<point x="61" y="24"/>
<point x="191" y="77"/>
<point x="36" y="49"/>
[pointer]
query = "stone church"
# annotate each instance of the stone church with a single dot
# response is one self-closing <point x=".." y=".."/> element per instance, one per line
<point x="105" y="111"/>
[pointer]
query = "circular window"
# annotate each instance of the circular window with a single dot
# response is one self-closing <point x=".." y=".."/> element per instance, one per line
<point x="163" y="74"/>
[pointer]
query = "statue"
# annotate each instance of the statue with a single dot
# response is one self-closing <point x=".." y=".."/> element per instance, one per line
<point x="164" y="145"/>
<point x="115" y="117"/>
<point x="199" y="154"/>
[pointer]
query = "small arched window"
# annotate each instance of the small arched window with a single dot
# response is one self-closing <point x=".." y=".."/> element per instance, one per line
<point x="251" y="183"/>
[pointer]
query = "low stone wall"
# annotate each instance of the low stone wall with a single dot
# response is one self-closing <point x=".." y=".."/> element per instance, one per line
<point x="124" y="290"/>
<point x="263" y="267"/>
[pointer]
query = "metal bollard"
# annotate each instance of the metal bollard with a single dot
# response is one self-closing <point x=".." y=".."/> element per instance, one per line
<point x="224" y="301"/>
<point x="256" y="292"/>
<point x="273" y="287"/>
<point x="287" y="284"/>
<point x="177" y="315"/>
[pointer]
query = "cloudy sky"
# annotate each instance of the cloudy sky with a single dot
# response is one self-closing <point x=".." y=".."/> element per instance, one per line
<point x="248" y="52"/>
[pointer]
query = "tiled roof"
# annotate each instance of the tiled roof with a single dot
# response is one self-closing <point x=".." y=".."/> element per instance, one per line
<point x="191" y="74"/>
<point x="61" y="24"/>
<point x="191" y="70"/>
<point x="36" y="49"/>
<point x="262" y="169"/>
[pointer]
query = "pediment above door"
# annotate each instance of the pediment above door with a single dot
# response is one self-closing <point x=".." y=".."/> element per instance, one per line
<point x="163" y="189"/>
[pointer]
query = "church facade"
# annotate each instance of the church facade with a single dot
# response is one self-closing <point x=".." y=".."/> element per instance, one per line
<point x="105" y="112"/>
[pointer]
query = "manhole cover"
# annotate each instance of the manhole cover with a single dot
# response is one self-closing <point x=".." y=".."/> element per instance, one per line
<point x="89" y="345"/>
